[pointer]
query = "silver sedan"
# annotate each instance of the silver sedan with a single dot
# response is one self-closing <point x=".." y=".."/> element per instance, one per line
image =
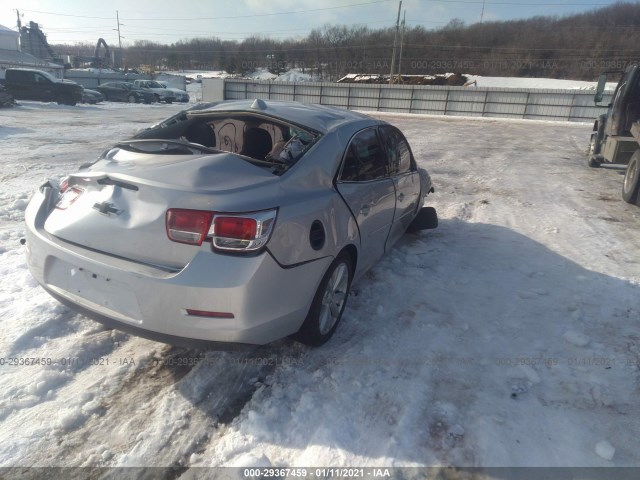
<point x="237" y="222"/>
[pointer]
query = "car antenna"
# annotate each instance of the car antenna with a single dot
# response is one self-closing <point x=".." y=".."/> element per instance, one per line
<point x="259" y="104"/>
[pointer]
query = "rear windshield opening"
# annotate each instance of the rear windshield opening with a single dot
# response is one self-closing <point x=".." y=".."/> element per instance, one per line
<point x="268" y="142"/>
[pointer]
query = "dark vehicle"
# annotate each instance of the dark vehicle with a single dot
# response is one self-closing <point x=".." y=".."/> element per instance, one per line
<point x="616" y="134"/>
<point x="29" y="84"/>
<point x="91" y="96"/>
<point x="6" y="100"/>
<point x="125" y="92"/>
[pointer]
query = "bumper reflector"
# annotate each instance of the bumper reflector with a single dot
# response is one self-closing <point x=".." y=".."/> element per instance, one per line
<point x="204" y="313"/>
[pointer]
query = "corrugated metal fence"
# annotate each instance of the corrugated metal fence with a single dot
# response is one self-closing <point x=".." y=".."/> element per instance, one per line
<point x="540" y="104"/>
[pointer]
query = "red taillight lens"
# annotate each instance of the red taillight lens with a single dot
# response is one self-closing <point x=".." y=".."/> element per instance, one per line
<point x="188" y="226"/>
<point x="243" y="231"/>
<point x="69" y="196"/>
<point x="241" y="228"/>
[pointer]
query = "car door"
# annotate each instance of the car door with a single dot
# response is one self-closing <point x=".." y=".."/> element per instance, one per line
<point x="30" y="89"/>
<point x="43" y="88"/>
<point x="406" y="180"/>
<point x="366" y="187"/>
<point x="120" y="92"/>
<point x="108" y="91"/>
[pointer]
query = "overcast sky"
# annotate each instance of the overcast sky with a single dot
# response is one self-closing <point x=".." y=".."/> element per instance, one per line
<point x="166" y="21"/>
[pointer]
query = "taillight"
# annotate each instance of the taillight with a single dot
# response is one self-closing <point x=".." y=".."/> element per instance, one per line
<point x="188" y="226"/>
<point x="242" y="232"/>
<point x="69" y="196"/>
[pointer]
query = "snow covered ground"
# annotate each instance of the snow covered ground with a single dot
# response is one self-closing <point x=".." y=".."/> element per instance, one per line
<point x="509" y="336"/>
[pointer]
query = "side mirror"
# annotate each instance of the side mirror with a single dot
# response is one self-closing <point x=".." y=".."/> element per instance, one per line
<point x="602" y="80"/>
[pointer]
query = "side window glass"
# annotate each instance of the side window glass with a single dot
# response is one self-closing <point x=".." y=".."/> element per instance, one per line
<point x="365" y="159"/>
<point x="397" y="150"/>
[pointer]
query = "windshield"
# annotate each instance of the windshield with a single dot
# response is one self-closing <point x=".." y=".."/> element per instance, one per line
<point x="153" y="85"/>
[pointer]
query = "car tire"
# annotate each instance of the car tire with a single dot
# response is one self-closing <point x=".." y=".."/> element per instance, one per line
<point x="328" y="303"/>
<point x="132" y="99"/>
<point x="594" y="161"/>
<point x="631" y="183"/>
<point x="426" y="219"/>
<point x="169" y="101"/>
<point x="65" y="100"/>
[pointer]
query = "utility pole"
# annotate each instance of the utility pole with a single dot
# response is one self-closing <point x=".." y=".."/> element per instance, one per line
<point x="395" y="44"/>
<point x="482" y="13"/>
<point x="19" y="22"/>
<point x="404" y="17"/>
<point x="119" y="36"/>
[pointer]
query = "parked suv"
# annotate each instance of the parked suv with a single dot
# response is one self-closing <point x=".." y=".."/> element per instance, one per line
<point x="161" y="93"/>
<point x="30" y="84"/>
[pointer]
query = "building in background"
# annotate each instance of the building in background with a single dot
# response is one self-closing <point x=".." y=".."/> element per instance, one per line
<point x="11" y="55"/>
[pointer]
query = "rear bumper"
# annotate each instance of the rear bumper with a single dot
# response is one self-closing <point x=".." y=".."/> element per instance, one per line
<point x="267" y="301"/>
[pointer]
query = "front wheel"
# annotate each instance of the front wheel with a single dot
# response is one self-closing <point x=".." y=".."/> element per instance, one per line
<point x="631" y="183"/>
<point x="132" y="99"/>
<point x="328" y="303"/>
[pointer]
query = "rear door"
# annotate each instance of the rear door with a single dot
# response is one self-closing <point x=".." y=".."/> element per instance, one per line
<point x="120" y="92"/>
<point x="366" y="187"/>
<point x="406" y="179"/>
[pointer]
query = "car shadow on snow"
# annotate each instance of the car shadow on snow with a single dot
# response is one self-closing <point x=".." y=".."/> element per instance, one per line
<point x="452" y="339"/>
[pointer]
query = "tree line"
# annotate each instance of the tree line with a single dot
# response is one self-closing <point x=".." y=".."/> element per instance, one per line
<point x="576" y="46"/>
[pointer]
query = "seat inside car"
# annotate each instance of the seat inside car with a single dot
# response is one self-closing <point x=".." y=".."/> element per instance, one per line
<point x="256" y="143"/>
<point x="201" y="133"/>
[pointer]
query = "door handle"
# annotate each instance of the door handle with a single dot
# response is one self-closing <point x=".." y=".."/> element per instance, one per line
<point x="365" y="210"/>
<point x="401" y="197"/>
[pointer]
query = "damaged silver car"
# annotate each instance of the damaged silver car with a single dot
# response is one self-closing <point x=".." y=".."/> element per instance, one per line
<point x="238" y="222"/>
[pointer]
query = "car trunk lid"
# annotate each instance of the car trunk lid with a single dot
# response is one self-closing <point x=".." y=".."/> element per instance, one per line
<point x="119" y="205"/>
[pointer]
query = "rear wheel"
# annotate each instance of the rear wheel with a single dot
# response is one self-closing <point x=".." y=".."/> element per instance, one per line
<point x="66" y="100"/>
<point x="328" y="303"/>
<point x="631" y="183"/>
<point x="132" y="99"/>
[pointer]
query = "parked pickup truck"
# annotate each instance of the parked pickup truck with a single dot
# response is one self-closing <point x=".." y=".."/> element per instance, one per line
<point x="30" y="84"/>
<point x="616" y="134"/>
<point x="161" y="93"/>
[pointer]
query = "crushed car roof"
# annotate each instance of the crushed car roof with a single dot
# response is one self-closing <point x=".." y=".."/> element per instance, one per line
<point x="321" y="118"/>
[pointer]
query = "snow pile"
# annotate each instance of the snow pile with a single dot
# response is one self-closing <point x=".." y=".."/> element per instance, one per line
<point x="262" y="74"/>
<point x="549" y="83"/>
<point x="294" y="76"/>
